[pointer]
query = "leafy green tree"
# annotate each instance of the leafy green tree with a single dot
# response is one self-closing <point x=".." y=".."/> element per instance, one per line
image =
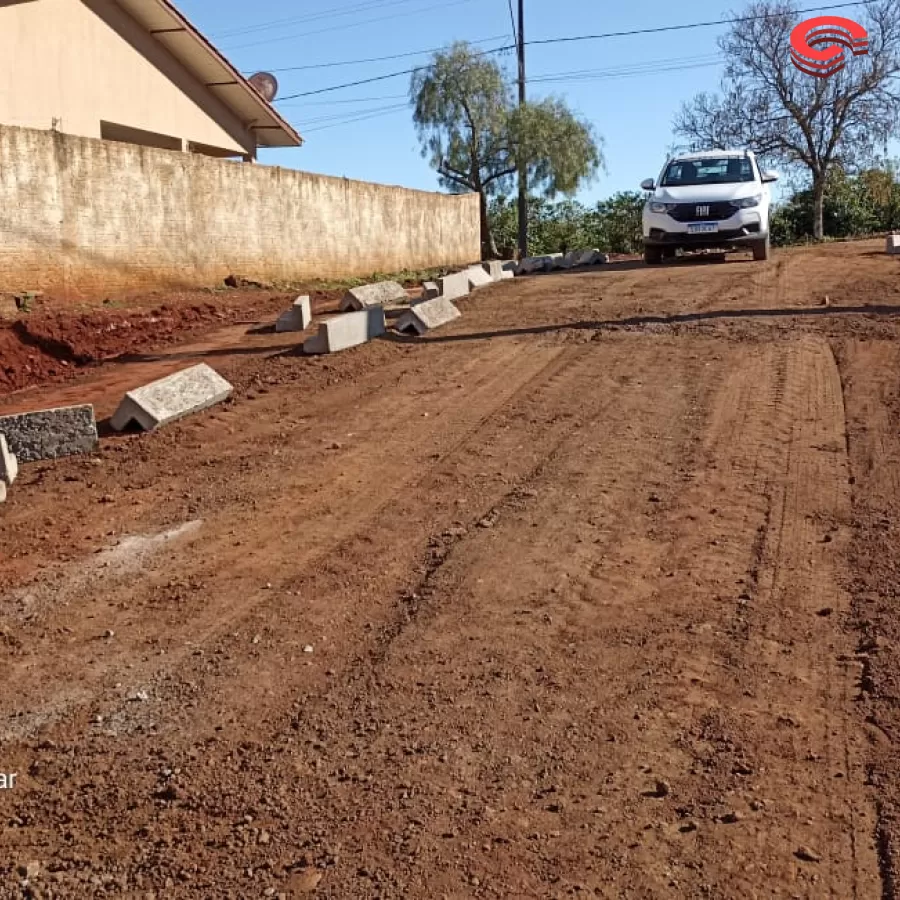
<point x="619" y="223"/>
<point x="613" y="225"/>
<point x="854" y="205"/>
<point x="797" y="120"/>
<point x="503" y="216"/>
<point x="474" y="133"/>
<point x="882" y="183"/>
<point x="561" y="152"/>
<point x="559" y="227"/>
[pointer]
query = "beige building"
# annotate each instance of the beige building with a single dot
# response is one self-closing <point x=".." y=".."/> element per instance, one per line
<point x="129" y="70"/>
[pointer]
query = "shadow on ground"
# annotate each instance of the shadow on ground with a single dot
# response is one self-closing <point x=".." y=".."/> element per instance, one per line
<point x="678" y="319"/>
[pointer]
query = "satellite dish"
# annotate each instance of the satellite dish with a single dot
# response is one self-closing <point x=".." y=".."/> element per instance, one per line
<point x="266" y="84"/>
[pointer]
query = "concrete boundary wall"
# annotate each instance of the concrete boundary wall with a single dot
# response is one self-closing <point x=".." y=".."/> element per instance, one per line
<point x="82" y="216"/>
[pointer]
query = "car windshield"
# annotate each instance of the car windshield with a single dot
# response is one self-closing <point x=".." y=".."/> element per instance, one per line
<point x="725" y="170"/>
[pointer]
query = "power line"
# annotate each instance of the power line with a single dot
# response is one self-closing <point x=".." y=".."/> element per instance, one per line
<point x="664" y="28"/>
<point x="371" y="59"/>
<point x="586" y="37"/>
<point x="349" y="116"/>
<point x="672" y="64"/>
<point x="339" y="87"/>
<point x="293" y="37"/>
<point x="512" y="19"/>
<point x="353" y="100"/>
<point x="352" y="84"/>
<point x="663" y="61"/>
<point x="319" y="123"/>
<point x="314" y="17"/>
<point x="360" y="118"/>
<point x="579" y="75"/>
<point x="627" y="71"/>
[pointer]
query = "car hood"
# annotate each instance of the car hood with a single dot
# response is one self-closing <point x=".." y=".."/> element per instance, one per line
<point x="707" y="193"/>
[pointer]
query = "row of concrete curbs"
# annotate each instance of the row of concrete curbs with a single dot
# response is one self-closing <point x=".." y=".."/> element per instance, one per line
<point x="893" y="244"/>
<point x="66" y="431"/>
<point x="71" y="430"/>
<point x="576" y="259"/>
<point x="366" y="310"/>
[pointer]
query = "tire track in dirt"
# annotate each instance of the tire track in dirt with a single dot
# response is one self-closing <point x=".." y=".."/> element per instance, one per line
<point x="777" y="422"/>
<point x="573" y="436"/>
<point x="734" y="781"/>
<point x="808" y="529"/>
<point x="551" y="381"/>
<point x="773" y="283"/>
<point x="569" y="405"/>
<point x="869" y="383"/>
<point x="790" y="730"/>
<point x="123" y="597"/>
<point x="506" y="600"/>
<point x="420" y="510"/>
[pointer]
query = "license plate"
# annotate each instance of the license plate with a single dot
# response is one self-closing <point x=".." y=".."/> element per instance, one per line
<point x="703" y="228"/>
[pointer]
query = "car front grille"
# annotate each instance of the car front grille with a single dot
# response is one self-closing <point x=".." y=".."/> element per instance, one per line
<point x="702" y="212"/>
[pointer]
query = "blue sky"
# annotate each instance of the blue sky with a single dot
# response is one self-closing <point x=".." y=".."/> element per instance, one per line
<point x="629" y="87"/>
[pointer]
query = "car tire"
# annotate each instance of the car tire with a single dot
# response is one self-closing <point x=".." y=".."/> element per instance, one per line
<point x="652" y="255"/>
<point x="761" y="250"/>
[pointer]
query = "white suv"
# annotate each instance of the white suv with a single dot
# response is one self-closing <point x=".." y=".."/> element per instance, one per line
<point x="717" y="199"/>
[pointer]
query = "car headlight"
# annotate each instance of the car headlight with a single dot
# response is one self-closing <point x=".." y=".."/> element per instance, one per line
<point x="747" y="202"/>
<point x="658" y="207"/>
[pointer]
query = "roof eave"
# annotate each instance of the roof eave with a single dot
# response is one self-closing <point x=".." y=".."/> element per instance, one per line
<point x="269" y="129"/>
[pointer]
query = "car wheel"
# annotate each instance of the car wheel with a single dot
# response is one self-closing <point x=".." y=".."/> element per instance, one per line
<point x="761" y="250"/>
<point x="652" y="255"/>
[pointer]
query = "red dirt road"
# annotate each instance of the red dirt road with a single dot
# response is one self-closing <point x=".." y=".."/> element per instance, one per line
<point x="592" y="593"/>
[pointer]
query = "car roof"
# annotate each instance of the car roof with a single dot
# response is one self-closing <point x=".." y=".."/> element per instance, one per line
<point x="712" y="154"/>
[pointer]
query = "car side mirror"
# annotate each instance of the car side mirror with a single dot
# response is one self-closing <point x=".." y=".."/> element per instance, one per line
<point x="648" y="184"/>
<point x="769" y="176"/>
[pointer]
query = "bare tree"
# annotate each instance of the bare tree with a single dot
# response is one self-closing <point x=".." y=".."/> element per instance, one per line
<point x="794" y="119"/>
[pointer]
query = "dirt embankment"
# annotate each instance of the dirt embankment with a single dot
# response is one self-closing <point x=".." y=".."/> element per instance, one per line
<point x="53" y="344"/>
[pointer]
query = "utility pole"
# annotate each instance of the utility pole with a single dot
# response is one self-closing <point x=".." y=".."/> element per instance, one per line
<point x="523" y="175"/>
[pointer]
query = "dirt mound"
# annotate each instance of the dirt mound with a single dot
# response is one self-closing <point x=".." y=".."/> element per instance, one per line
<point x="105" y="334"/>
<point x="49" y="345"/>
<point x="23" y="362"/>
<point x="52" y="345"/>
